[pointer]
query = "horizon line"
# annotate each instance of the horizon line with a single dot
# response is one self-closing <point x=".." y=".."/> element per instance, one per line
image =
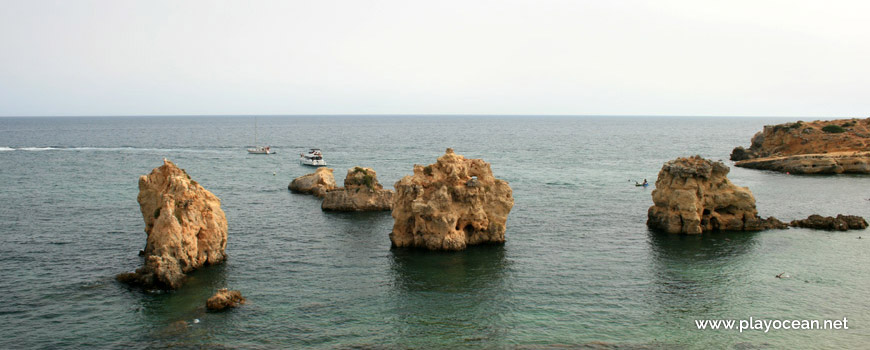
<point x="424" y="115"/>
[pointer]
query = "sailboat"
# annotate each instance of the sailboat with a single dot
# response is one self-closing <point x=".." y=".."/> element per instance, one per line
<point x="259" y="149"/>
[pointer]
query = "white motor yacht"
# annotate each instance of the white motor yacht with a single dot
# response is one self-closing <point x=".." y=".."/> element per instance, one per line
<point x="313" y="158"/>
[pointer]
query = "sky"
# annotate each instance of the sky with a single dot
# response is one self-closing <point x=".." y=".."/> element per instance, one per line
<point x="664" y="57"/>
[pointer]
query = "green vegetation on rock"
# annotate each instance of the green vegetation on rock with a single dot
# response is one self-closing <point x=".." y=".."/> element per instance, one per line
<point x="833" y="129"/>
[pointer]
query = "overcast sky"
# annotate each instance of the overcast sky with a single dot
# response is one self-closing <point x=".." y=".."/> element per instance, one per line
<point x="755" y="57"/>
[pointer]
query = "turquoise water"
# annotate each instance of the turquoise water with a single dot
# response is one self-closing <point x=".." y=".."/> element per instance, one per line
<point x="579" y="268"/>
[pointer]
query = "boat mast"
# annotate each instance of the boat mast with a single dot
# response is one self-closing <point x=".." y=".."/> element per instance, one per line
<point x="256" y="144"/>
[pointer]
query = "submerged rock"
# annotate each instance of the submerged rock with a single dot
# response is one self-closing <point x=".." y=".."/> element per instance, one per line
<point x="361" y="192"/>
<point x="450" y="204"/>
<point x="840" y="223"/>
<point x="693" y="195"/>
<point x="225" y="298"/>
<point x="819" y="147"/>
<point x="316" y="183"/>
<point x="185" y="225"/>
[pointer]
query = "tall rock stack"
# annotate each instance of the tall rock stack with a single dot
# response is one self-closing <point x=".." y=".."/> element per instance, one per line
<point x="185" y="225"/>
<point x="693" y="195"/>
<point x="451" y="204"/>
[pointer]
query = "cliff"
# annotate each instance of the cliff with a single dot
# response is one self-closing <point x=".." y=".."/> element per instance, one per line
<point x="316" y="183"/>
<point x="693" y="195"/>
<point x="819" y="147"/>
<point x="185" y="225"/>
<point x="361" y="192"/>
<point x="450" y="204"/>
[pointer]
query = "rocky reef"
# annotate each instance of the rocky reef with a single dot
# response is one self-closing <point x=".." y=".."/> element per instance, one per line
<point x="451" y="204"/>
<point x="316" y="183"/>
<point x="819" y="147"/>
<point x="185" y="225"/>
<point x="693" y="195"/>
<point x="361" y="192"/>
<point x="839" y="223"/>
<point x="223" y="299"/>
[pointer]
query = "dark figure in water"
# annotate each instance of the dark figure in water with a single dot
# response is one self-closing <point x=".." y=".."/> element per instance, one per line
<point x="645" y="183"/>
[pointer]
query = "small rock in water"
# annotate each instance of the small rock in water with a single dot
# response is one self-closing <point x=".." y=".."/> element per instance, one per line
<point x="841" y="222"/>
<point x="317" y="183"/>
<point x="225" y="298"/>
<point x="361" y="192"/>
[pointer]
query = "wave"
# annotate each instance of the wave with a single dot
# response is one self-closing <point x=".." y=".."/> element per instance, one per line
<point x="36" y="149"/>
<point x="117" y="149"/>
<point x="560" y="184"/>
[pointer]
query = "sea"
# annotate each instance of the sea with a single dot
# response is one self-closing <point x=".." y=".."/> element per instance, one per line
<point x="579" y="269"/>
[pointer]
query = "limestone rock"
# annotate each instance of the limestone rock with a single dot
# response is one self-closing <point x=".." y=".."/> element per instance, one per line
<point x="819" y="147"/>
<point x="739" y="153"/>
<point x="223" y="299"/>
<point x="841" y="222"/>
<point x="185" y="225"/>
<point x="450" y="204"/>
<point x="361" y="192"/>
<point x="856" y="163"/>
<point x="316" y="183"/>
<point x="693" y="195"/>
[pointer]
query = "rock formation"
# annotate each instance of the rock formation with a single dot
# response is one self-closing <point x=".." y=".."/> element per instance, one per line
<point x="361" y="192"/>
<point x="819" y="147"/>
<point x="693" y="195"/>
<point x="185" y="225"/>
<point x="316" y="183"/>
<point x="223" y="299"/>
<point x="841" y="222"/>
<point x="450" y="204"/>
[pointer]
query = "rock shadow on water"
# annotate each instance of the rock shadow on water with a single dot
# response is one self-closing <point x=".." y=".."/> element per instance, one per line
<point x="455" y="297"/>
<point x="473" y="269"/>
<point x="358" y="233"/>
<point x="698" y="275"/>
<point x="355" y="218"/>
<point x="179" y="318"/>
<point x="676" y="249"/>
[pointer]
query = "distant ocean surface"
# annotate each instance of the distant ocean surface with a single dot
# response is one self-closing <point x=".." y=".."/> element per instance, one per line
<point x="579" y="268"/>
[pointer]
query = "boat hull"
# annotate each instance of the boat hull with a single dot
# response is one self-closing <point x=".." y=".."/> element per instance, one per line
<point x="260" y="151"/>
<point x="312" y="162"/>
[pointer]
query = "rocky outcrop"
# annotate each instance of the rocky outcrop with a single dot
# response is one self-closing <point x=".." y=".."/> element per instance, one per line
<point x="316" y="183"/>
<point x="185" y="225"/>
<point x="223" y="299"/>
<point x="819" y="147"/>
<point x="450" y="204"/>
<point x="840" y="223"/>
<point x="693" y="195"/>
<point x="856" y="163"/>
<point x="361" y="192"/>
